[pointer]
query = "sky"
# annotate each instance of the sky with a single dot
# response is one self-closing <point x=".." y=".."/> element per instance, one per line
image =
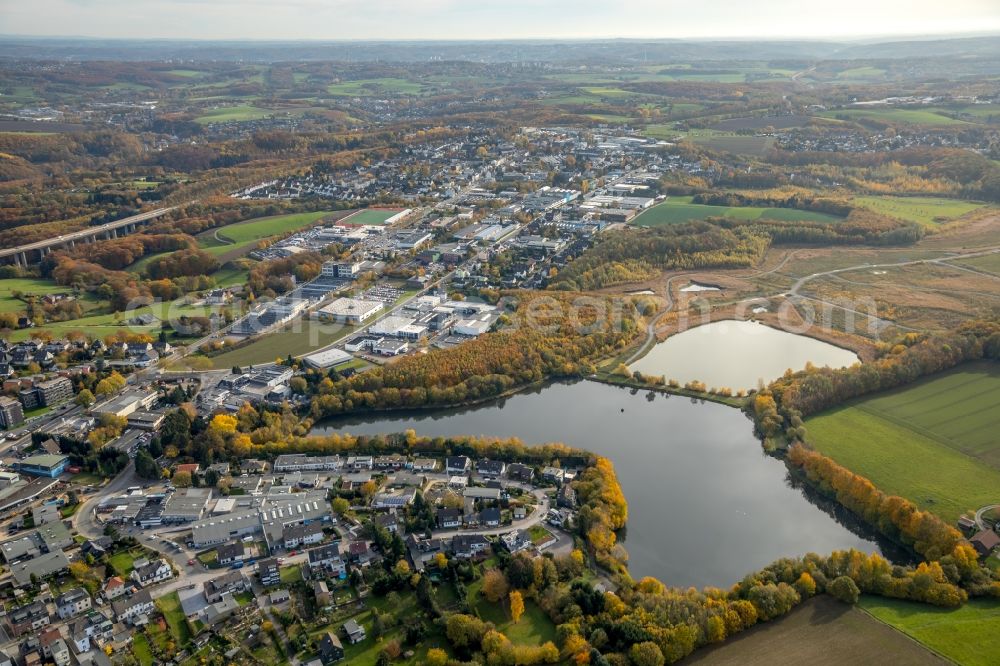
<point x="488" y="19"/>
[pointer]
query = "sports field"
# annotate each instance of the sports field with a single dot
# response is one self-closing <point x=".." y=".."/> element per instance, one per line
<point x="969" y="635"/>
<point x="933" y="442"/>
<point x="820" y="632"/>
<point x="372" y="216"/>
<point x="928" y="211"/>
<point x="680" y="209"/>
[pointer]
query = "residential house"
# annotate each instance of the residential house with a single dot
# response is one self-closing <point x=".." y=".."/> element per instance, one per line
<point x="389" y="521"/>
<point x="566" y="498"/>
<point x="114" y="588"/>
<point x="221" y="611"/>
<point x="294" y="536"/>
<point x="422" y="465"/>
<point x="131" y="609"/>
<point x="269" y="572"/>
<point x="449" y="518"/>
<point x="326" y="559"/>
<point x="354" y="631"/>
<point x="520" y="472"/>
<point x="54" y="647"/>
<point x="516" y="541"/>
<point x="331" y="649"/>
<point x="232" y="582"/>
<point x="457" y="465"/>
<point x="553" y="474"/>
<point x="467" y="546"/>
<point x="322" y="593"/>
<point x="231" y="553"/>
<point x="985" y="542"/>
<point x="72" y="602"/>
<point x="151" y="573"/>
<point x="491" y="469"/>
<point x="391" y="462"/>
<point x="27" y="619"/>
<point x="490" y="517"/>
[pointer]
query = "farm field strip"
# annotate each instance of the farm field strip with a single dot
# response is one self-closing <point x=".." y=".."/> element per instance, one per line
<point x="969" y="635"/>
<point x="681" y="209"/>
<point x="954" y="409"/>
<point x="922" y="210"/>
<point x="908" y="446"/>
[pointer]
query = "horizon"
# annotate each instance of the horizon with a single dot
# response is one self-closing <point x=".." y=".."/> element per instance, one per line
<point x="514" y="20"/>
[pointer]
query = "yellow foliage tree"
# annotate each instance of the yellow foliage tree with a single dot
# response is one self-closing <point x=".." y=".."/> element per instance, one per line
<point x="516" y="606"/>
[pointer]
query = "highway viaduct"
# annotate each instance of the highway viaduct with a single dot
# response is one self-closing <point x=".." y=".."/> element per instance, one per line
<point x="30" y="253"/>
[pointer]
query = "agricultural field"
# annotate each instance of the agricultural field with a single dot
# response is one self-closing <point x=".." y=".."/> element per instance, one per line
<point x="969" y="635"/>
<point x="680" y="209"/>
<point x="888" y="114"/>
<point x="932" y="442"/>
<point x="761" y="122"/>
<point x="821" y="632"/>
<point x="373" y="87"/>
<point x="34" y="286"/>
<point x="233" y="113"/>
<point x="928" y="211"/>
<point x="241" y="235"/>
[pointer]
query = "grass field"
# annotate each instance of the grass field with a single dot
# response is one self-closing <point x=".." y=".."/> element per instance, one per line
<point x="989" y="263"/>
<point x="821" y="632"/>
<point x="534" y="627"/>
<point x="170" y="606"/>
<point x="141" y="650"/>
<point x="300" y="337"/>
<point x="969" y="635"/>
<point x="229" y="113"/>
<point x="122" y="562"/>
<point x="928" y="211"/>
<point x="244" y="234"/>
<point x="139" y="266"/>
<point x="893" y="115"/>
<point x="373" y="87"/>
<point x="933" y="442"/>
<point x="680" y="209"/>
<point x="372" y="215"/>
<point x="36" y="286"/>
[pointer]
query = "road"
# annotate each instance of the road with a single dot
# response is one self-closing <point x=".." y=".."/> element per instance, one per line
<point x="83" y="234"/>
<point x="536" y="517"/>
<point x="980" y="523"/>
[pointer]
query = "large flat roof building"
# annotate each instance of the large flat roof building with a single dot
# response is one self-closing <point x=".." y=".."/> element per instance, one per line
<point x="349" y="310"/>
<point x="43" y="465"/>
<point x="186" y="505"/>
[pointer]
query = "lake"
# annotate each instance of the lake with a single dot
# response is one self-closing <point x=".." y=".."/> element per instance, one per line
<point x="706" y="505"/>
<point x="738" y="354"/>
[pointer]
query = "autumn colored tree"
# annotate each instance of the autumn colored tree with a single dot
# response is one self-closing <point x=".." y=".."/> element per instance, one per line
<point x="516" y="606"/>
<point x="495" y="585"/>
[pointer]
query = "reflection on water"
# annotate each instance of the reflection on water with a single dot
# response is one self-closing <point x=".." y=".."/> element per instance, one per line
<point x="737" y="355"/>
<point x="706" y="505"/>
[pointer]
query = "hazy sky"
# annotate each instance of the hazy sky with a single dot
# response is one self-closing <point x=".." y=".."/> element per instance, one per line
<point x="485" y="19"/>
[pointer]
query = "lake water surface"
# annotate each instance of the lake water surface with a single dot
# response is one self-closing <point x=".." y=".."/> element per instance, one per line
<point x="706" y="505"/>
<point x="738" y="354"/>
